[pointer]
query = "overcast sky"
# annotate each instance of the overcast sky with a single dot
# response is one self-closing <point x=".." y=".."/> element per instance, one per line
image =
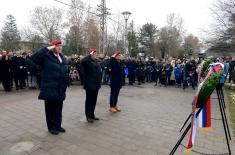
<point x="195" y="13"/>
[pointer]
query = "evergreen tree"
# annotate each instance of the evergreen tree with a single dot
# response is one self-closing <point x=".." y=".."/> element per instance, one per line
<point x="10" y="35"/>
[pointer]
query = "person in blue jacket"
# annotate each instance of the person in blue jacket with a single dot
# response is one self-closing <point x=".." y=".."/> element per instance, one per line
<point x="54" y="81"/>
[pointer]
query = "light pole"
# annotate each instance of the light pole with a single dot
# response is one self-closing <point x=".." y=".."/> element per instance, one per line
<point x="126" y="15"/>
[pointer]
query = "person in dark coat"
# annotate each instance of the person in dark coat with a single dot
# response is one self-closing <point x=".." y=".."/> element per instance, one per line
<point x="0" y="67"/>
<point x="158" y="71"/>
<point x="232" y="72"/>
<point x="131" y="65"/>
<point x="125" y="72"/>
<point x="31" y="71"/>
<point x="140" y="70"/>
<point x="189" y="71"/>
<point x="105" y="72"/>
<point x="78" y="68"/>
<point x="6" y="69"/>
<point x="116" y="71"/>
<point x="54" y="81"/>
<point x="24" y="71"/>
<point x="91" y="72"/>
<point x="149" y="71"/>
<point x="19" y="67"/>
<point x="153" y="63"/>
<point x="169" y="69"/>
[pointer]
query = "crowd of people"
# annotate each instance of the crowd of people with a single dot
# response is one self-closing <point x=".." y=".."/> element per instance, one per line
<point x="163" y="72"/>
<point x="19" y="71"/>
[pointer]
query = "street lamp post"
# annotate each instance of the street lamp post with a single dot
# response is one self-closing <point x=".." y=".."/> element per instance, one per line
<point x="126" y="15"/>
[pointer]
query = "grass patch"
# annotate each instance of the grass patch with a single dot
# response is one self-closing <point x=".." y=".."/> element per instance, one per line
<point x="231" y="103"/>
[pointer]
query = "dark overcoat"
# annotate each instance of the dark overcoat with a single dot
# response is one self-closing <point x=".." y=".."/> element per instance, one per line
<point x="91" y="72"/>
<point x="54" y="75"/>
<point x="117" y="72"/>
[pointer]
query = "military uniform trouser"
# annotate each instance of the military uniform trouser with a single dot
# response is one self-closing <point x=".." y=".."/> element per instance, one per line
<point x="90" y="103"/>
<point x="114" y="96"/>
<point x="53" y="110"/>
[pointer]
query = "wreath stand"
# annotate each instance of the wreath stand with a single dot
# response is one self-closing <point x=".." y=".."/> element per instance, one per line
<point x="222" y="106"/>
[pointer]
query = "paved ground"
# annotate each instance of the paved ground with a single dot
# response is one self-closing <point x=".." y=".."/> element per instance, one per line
<point x="148" y="124"/>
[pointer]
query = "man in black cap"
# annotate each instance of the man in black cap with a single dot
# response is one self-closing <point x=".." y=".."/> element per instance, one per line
<point x="54" y="81"/>
<point x="91" y="72"/>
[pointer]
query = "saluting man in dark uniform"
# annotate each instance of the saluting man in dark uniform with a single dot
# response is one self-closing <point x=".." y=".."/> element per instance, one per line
<point x="117" y="72"/>
<point x="54" y="81"/>
<point x="91" y="72"/>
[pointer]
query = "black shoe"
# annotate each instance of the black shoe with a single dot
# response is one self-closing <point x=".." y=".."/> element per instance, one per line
<point x="53" y="132"/>
<point x="61" y="129"/>
<point x="90" y="120"/>
<point x="96" y="118"/>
